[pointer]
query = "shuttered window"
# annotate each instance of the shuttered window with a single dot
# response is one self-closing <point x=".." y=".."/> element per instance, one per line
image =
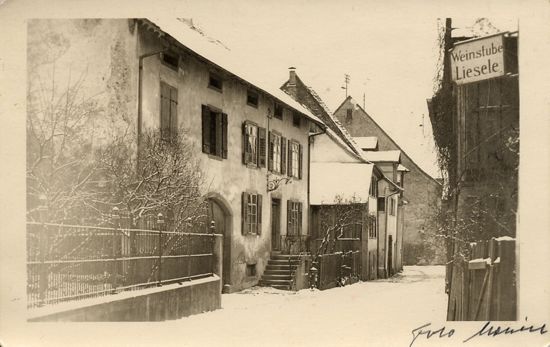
<point x="295" y="159"/>
<point x="294" y="217"/>
<point x="168" y="111"/>
<point x="373" y="187"/>
<point x="254" y="145"/>
<point x="274" y="152"/>
<point x="381" y="204"/>
<point x="251" y="213"/>
<point x="372" y="226"/>
<point x="214" y="132"/>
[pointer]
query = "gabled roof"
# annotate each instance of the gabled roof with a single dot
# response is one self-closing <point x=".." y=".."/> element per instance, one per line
<point x="366" y="142"/>
<point x="349" y="98"/>
<point x="383" y="156"/>
<point x="215" y="53"/>
<point x="328" y="118"/>
<point x="327" y="183"/>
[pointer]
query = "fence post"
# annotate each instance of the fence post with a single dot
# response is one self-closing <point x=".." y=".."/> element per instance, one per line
<point x="42" y="242"/>
<point x="115" y="219"/>
<point x="160" y="222"/>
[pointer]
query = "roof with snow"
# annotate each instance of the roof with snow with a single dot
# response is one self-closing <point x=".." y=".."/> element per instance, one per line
<point x="383" y="156"/>
<point x="336" y="125"/>
<point x="402" y="167"/>
<point x="219" y="55"/>
<point x="327" y="185"/>
<point x="366" y="142"/>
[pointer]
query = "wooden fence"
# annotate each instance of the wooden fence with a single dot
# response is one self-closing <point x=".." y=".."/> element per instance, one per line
<point x="484" y="287"/>
<point x="339" y="268"/>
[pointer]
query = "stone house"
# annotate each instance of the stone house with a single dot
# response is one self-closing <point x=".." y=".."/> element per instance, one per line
<point x="251" y="141"/>
<point x="423" y="193"/>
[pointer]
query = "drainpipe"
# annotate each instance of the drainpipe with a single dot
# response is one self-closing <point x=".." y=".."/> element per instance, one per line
<point x="140" y="96"/>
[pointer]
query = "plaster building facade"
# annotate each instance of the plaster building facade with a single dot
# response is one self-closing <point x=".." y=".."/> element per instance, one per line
<point x="251" y="142"/>
<point x="423" y="192"/>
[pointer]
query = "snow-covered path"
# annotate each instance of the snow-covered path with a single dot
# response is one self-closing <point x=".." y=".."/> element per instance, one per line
<point x="367" y="313"/>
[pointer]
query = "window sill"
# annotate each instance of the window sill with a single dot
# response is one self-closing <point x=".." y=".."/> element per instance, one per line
<point x="219" y="90"/>
<point x="215" y="157"/>
<point x="252" y="166"/>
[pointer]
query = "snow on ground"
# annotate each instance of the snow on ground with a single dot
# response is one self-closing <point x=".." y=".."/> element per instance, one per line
<point x="381" y="312"/>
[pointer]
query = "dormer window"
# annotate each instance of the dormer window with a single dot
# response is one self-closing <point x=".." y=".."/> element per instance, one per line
<point x="170" y="59"/>
<point x="252" y="98"/>
<point x="215" y="82"/>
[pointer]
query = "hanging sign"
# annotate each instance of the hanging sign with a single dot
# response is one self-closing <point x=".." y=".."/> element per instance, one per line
<point x="478" y="59"/>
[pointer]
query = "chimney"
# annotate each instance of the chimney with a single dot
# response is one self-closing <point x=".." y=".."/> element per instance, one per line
<point x="292" y="76"/>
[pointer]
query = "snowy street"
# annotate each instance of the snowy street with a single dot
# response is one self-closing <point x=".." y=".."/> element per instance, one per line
<point x="381" y="312"/>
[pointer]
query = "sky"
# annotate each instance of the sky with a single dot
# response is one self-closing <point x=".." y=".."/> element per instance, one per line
<point x="390" y="62"/>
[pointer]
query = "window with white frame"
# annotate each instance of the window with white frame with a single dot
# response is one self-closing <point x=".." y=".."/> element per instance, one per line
<point x="295" y="159"/>
<point x="294" y="217"/>
<point x="251" y="144"/>
<point x="251" y="213"/>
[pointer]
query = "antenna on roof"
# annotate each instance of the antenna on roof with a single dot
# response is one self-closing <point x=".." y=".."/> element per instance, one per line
<point x="346" y="81"/>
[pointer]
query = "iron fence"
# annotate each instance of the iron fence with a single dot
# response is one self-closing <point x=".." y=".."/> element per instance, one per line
<point x="72" y="262"/>
<point x="293" y="244"/>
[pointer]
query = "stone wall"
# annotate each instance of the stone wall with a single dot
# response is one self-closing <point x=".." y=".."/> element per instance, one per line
<point x="154" y="304"/>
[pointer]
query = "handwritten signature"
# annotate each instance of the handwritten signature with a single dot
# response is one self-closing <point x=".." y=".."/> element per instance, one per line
<point x="487" y="329"/>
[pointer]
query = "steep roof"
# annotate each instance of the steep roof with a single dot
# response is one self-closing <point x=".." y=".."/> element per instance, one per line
<point x="383" y="156"/>
<point x="328" y="118"/>
<point x="366" y="142"/>
<point x="327" y="184"/>
<point x="217" y="54"/>
<point x="349" y="98"/>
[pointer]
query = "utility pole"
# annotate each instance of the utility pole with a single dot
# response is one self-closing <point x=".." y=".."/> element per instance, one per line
<point x="346" y="81"/>
<point x="363" y="101"/>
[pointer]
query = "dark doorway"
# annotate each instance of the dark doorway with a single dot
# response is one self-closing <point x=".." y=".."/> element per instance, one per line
<point x="220" y="217"/>
<point x="390" y="255"/>
<point x="276" y="224"/>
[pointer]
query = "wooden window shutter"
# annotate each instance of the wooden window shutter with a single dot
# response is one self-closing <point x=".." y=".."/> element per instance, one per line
<point x="299" y="226"/>
<point x="244" y="214"/>
<point x="270" y="152"/>
<point x="218" y="134"/>
<point x="289" y="170"/>
<point x="224" y="135"/>
<point x="262" y="147"/>
<point x="205" y="129"/>
<point x="173" y="111"/>
<point x="283" y="155"/>
<point x="300" y="155"/>
<point x="289" y="230"/>
<point x="245" y="147"/>
<point x="164" y="109"/>
<point x="259" y="213"/>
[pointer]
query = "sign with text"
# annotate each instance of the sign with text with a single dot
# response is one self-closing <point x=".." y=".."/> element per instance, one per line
<point x="478" y="59"/>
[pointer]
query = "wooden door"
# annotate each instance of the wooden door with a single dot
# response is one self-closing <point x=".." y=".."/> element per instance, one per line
<point x="276" y="224"/>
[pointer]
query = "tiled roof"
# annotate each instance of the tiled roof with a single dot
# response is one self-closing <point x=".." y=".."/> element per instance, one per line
<point x="219" y="55"/>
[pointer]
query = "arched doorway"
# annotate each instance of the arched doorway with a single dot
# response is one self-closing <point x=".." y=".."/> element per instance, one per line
<point x="220" y="214"/>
